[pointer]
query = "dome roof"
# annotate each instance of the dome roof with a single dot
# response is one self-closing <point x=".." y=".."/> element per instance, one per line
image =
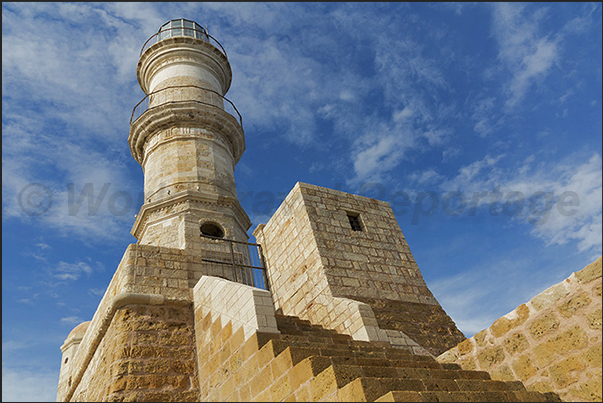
<point x="79" y="330"/>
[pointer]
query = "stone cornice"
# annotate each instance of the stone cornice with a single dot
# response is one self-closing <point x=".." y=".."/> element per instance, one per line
<point x="186" y="114"/>
<point x="187" y="196"/>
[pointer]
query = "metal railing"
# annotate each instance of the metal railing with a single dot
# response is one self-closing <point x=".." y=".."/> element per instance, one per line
<point x="142" y="106"/>
<point x="245" y="259"/>
<point x="165" y="33"/>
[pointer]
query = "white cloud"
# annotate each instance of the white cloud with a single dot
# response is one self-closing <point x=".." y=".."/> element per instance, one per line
<point x="71" y="271"/>
<point x="28" y="386"/>
<point x="426" y="177"/>
<point x="71" y="320"/>
<point x="98" y="292"/>
<point x="558" y="224"/>
<point x="526" y="53"/>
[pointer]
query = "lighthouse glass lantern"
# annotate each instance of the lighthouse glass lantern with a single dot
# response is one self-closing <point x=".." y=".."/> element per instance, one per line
<point x="182" y="27"/>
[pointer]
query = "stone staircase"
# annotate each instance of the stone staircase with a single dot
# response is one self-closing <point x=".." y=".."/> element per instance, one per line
<point x="309" y="363"/>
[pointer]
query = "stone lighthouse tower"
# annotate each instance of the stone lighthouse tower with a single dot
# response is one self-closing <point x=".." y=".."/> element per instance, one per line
<point x="188" y="138"/>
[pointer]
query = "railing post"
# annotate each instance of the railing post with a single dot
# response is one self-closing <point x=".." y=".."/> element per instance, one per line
<point x="232" y="260"/>
<point x="263" y="268"/>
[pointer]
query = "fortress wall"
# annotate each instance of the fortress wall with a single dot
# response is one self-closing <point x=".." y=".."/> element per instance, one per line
<point x="552" y="342"/>
<point x="147" y="354"/>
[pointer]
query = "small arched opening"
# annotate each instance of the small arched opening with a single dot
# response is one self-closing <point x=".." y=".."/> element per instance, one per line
<point x="212" y="229"/>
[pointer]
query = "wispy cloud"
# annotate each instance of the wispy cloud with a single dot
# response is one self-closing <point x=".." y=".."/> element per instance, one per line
<point x="527" y="53"/>
<point x="479" y="295"/>
<point x="28" y="386"/>
<point x="71" y="320"/>
<point x="66" y="95"/>
<point x="581" y="221"/>
<point x="73" y="271"/>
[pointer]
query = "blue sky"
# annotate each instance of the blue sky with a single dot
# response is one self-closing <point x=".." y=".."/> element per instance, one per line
<point x="479" y="123"/>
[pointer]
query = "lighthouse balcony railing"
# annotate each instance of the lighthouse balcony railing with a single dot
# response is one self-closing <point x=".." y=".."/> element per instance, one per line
<point x="243" y="259"/>
<point x="173" y="32"/>
<point x="209" y="98"/>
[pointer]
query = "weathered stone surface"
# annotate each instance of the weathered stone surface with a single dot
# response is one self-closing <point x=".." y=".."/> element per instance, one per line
<point x="590" y="272"/>
<point x="551" y="343"/>
<point x="130" y="365"/>
<point x="510" y="321"/>
<point x="544" y="325"/>
<point x="516" y="343"/>
<point x="524" y="367"/>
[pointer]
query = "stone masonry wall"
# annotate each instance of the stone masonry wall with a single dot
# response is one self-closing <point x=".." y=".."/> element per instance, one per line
<point x="375" y="262"/>
<point x="551" y="343"/>
<point x="244" y="306"/>
<point x="147" y="354"/>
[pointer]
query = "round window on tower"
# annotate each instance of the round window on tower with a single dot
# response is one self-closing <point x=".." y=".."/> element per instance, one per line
<point x="211" y="229"/>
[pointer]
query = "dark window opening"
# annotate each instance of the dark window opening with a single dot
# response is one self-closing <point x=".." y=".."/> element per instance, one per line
<point x="355" y="221"/>
<point x="212" y="230"/>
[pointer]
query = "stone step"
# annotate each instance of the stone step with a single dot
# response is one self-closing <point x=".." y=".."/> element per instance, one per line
<point x="485" y="396"/>
<point x="429" y="380"/>
<point x="345" y="373"/>
<point x="339" y="349"/>
<point x="396" y="390"/>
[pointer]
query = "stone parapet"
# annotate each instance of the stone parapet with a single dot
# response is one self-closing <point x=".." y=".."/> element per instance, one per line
<point x="246" y="307"/>
<point x="551" y="343"/>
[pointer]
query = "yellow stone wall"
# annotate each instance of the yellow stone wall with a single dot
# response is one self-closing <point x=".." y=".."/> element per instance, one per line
<point x="147" y="354"/>
<point x="551" y="343"/>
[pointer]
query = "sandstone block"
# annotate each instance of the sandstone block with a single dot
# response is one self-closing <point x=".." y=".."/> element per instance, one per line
<point x="568" y="308"/>
<point x="323" y="384"/>
<point x="543" y="325"/>
<point x="280" y="389"/>
<point x="503" y="373"/>
<point x="490" y="356"/>
<point x="549" y="297"/>
<point x="588" y="391"/>
<point x="594" y="320"/>
<point x="590" y="272"/>
<point x="510" y="321"/>
<point x="565" y="373"/>
<point x="465" y="346"/>
<point x="480" y="337"/>
<point x="261" y="381"/>
<point x="516" y="343"/>
<point x="524" y="367"/>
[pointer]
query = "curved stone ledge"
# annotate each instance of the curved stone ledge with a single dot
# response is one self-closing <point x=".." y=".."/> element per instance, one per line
<point x="186" y="114"/>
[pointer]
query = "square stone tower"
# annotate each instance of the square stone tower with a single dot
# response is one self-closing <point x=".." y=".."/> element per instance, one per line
<point x="341" y="260"/>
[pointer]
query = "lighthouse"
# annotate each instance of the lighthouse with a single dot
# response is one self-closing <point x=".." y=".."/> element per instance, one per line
<point x="188" y="137"/>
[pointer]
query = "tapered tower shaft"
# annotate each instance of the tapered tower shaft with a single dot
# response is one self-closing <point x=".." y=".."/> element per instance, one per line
<point x="188" y="138"/>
